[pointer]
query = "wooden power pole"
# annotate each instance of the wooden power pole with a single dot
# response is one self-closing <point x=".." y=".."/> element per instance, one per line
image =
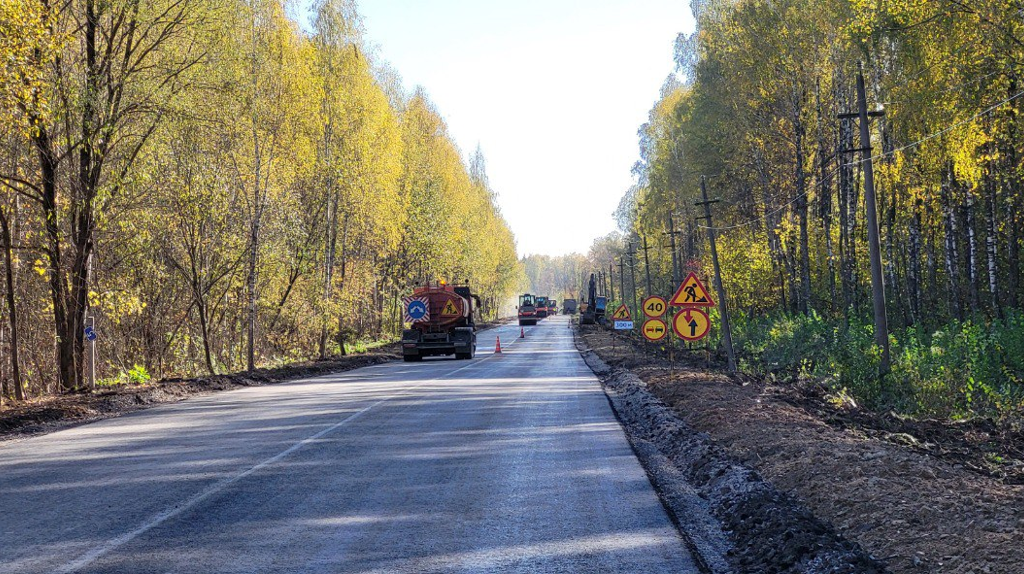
<point x="632" y="276"/>
<point x="647" y="266"/>
<point x="719" y="287"/>
<point x="611" y="281"/>
<point x="874" y="244"/>
<point x="675" y="254"/>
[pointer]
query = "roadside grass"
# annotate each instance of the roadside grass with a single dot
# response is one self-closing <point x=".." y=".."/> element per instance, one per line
<point x="960" y="371"/>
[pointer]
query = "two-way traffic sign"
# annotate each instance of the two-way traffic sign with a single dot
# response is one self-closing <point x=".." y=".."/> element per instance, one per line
<point x="655" y="330"/>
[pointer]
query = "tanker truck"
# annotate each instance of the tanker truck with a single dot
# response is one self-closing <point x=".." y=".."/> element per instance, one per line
<point x="441" y="318"/>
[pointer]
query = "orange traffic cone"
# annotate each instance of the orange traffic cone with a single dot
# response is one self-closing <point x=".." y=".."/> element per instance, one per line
<point x="522" y="333"/>
<point x="497" y="346"/>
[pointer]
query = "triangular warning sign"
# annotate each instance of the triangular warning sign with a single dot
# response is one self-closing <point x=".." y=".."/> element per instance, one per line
<point x="622" y="313"/>
<point x="692" y="293"/>
<point x="450" y="310"/>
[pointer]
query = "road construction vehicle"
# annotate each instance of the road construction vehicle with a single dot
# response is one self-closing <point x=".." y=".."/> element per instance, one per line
<point x="527" y="309"/>
<point x="542" y="307"/>
<point x="442" y="322"/>
<point x="593" y="307"/>
<point x="569" y="307"/>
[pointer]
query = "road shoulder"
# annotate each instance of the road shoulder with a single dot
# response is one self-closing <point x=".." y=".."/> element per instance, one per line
<point x="767" y="530"/>
<point x="918" y="511"/>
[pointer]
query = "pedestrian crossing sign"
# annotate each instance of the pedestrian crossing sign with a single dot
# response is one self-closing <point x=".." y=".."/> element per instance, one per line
<point x="692" y="293"/>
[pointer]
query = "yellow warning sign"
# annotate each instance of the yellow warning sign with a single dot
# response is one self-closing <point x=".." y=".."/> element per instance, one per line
<point x="655" y="329"/>
<point x="691" y="324"/>
<point x="450" y="309"/>
<point x="692" y="293"/>
<point x="655" y="306"/>
<point x="622" y="313"/>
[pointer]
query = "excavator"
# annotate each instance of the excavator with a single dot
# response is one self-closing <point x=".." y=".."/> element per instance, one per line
<point x="592" y="309"/>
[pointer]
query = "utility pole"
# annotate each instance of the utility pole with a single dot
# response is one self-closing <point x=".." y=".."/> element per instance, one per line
<point x="719" y="288"/>
<point x="611" y="280"/>
<point x="647" y="266"/>
<point x="675" y="253"/>
<point x="622" y="277"/>
<point x="874" y="243"/>
<point x="632" y="274"/>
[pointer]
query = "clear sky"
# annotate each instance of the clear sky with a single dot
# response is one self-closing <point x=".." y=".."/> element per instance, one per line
<point x="553" y="91"/>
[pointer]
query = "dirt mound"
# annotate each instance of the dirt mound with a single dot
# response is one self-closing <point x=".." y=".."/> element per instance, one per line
<point x="771" y="532"/>
<point x="910" y="492"/>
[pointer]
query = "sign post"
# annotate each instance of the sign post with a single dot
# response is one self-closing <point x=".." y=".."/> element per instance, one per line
<point x="623" y="318"/>
<point x="691" y="323"/>
<point x="655" y="330"/>
<point x="90" y="335"/>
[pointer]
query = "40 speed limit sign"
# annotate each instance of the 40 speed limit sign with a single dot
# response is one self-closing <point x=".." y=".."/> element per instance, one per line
<point x="654" y="307"/>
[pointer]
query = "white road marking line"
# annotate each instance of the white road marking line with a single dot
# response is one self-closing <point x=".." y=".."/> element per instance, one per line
<point x="190" y="503"/>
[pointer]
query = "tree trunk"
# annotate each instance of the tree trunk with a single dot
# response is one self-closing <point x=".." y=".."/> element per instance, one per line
<point x="952" y="256"/>
<point x="204" y="326"/>
<point x="991" y="243"/>
<point x="890" y="254"/>
<point x="972" y="252"/>
<point x="1012" y="200"/>
<point x="914" y="265"/>
<point x="847" y="217"/>
<point x="12" y="309"/>
<point x="330" y="248"/>
<point x="801" y="208"/>
<point x="825" y="205"/>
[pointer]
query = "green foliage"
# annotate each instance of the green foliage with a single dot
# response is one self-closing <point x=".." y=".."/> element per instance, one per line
<point x="963" y="370"/>
<point x="249" y="177"/>
<point x="757" y="120"/>
<point x="138" y="375"/>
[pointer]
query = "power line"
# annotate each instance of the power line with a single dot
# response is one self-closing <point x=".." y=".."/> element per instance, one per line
<point x="927" y="138"/>
<point x="943" y="132"/>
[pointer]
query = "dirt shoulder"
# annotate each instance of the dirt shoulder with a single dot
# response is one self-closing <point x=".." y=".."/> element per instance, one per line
<point x="40" y="416"/>
<point x="921" y="502"/>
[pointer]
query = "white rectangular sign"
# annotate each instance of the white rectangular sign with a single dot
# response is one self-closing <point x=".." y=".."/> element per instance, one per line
<point x="623" y="325"/>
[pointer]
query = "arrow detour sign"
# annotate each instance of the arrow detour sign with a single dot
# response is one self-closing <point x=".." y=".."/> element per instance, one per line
<point x="691" y="324"/>
<point x="655" y="330"/>
<point x="692" y="293"/>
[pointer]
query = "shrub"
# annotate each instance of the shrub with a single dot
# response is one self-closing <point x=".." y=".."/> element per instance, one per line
<point x="962" y="370"/>
<point x="138" y="375"/>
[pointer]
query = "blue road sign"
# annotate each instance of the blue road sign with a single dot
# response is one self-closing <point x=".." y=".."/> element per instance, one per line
<point x="90" y="334"/>
<point x="417" y="309"/>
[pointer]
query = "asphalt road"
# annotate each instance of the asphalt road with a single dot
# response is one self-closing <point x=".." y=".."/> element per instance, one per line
<point x="506" y="463"/>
